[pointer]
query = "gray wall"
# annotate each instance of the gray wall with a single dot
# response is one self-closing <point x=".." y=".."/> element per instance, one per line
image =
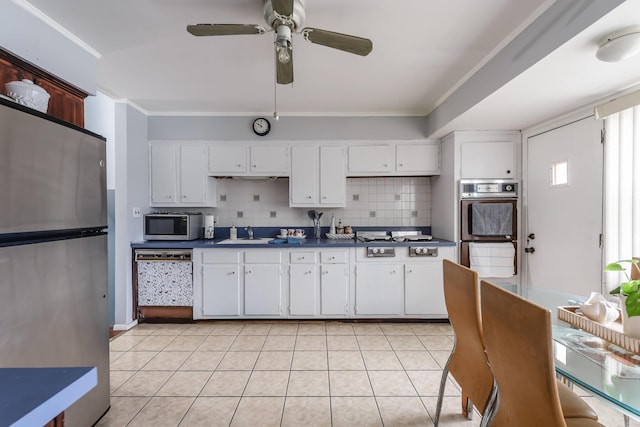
<point x="31" y="39"/>
<point x="287" y="128"/>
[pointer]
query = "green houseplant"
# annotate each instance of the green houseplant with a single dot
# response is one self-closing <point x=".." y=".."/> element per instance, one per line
<point x="629" y="289"/>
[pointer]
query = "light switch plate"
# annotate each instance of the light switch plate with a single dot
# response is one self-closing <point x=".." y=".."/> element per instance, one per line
<point x="136" y="212"/>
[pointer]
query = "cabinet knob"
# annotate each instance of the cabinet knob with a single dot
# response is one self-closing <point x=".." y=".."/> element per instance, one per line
<point x="248" y="271"/>
<point x="232" y="273"/>
<point x="409" y="271"/>
<point x="238" y="165"/>
<point x="184" y="196"/>
<point x="308" y="197"/>
<point x="401" y="164"/>
<point x="385" y="165"/>
<point x="324" y="197"/>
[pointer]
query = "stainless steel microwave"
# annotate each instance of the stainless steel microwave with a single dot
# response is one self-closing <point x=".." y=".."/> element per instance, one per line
<point x="173" y="226"/>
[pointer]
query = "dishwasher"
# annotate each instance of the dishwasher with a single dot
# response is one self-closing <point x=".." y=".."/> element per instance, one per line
<point x="164" y="281"/>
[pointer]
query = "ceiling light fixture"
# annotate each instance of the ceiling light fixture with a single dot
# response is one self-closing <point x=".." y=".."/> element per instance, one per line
<point x="283" y="44"/>
<point x="620" y="45"/>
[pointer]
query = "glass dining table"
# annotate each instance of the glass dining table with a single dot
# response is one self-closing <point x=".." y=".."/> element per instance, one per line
<point x="598" y="366"/>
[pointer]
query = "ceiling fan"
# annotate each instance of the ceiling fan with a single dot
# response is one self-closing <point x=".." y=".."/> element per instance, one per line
<point x="286" y="17"/>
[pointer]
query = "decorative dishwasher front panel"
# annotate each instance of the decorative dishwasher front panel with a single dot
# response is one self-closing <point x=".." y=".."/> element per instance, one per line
<point x="166" y="280"/>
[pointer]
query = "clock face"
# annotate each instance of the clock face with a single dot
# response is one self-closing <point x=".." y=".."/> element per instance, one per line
<point x="261" y="126"/>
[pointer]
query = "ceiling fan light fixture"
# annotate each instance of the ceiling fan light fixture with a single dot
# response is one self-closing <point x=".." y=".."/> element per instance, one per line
<point x="283" y="44"/>
<point x="620" y="46"/>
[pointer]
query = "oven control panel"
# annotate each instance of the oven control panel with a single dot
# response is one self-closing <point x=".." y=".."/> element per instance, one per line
<point x="375" y="252"/>
<point x="474" y="189"/>
<point x="423" y="251"/>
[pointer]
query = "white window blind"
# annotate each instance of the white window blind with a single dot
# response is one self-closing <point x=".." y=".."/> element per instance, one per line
<point x="622" y="189"/>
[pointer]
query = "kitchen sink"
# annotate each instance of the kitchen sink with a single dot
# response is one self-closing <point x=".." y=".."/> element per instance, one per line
<point x="245" y="241"/>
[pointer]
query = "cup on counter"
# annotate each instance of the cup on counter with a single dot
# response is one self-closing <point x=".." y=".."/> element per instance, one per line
<point x="291" y="232"/>
<point x="299" y="232"/>
<point x="284" y="232"/>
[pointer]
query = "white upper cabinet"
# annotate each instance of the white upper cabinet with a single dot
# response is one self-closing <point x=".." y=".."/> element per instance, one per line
<point x="395" y="159"/>
<point x="242" y="158"/>
<point x="418" y="158"/>
<point x="271" y="160"/>
<point x="371" y="159"/>
<point x="227" y="159"/>
<point x="317" y="176"/>
<point x="178" y="176"/>
<point x="488" y="159"/>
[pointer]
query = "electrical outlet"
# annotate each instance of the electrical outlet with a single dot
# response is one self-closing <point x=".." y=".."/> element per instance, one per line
<point x="136" y="212"/>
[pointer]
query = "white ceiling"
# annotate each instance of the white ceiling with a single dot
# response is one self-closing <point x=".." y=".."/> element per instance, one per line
<point x="423" y="50"/>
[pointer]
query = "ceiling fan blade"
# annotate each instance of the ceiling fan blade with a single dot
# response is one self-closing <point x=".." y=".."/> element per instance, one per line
<point x="284" y="72"/>
<point x="352" y="44"/>
<point x="224" y="29"/>
<point x="283" y="7"/>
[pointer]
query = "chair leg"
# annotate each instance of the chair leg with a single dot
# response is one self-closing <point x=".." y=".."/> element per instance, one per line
<point x="491" y="407"/>
<point x="443" y="383"/>
<point x="467" y="406"/>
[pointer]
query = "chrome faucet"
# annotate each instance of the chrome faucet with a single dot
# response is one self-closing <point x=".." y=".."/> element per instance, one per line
<point x="250" y="232"/>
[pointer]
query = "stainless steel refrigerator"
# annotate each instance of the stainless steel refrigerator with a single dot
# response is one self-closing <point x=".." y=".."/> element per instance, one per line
<point x="53" y="250"/>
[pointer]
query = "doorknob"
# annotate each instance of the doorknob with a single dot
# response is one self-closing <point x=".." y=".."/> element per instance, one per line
<point x="530" y="250"/>
<point x="531" y="236"/>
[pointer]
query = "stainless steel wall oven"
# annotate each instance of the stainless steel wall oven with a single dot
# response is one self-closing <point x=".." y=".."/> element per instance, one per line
<point x="488" y="227"/>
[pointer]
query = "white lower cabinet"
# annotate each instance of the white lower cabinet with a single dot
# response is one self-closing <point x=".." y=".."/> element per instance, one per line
<point x="262" y="282"/>
<point x="220" y="290"/>
<point x="318" y="283"/>
<point x="423" y="294"/>
<point x="303" y="289"/>
<point x="319" y="288"/>
<point x="378" y="289"/>
<point x="334" y="290"/>
<point x="262" y="290"/>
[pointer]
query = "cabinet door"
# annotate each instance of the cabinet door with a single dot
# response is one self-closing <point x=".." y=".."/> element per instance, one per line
<point x="423" y="159"/>
<point x="272" y="160"/>
<point x="262" y="289"/>
<point x="333" y="181"/>
<point x="303" y="289"/>
<point x="227" y="160"/>
<point x="164" y="170"/>
<point x="423" y="293"/>
<point x="371" y="158"/>
<point x="220" y="290"/>
<point x="378" y="288"/>
<point x="193" y="175"/>
<point x="334" y="289"/>
<point x="488" y="160"/>
<point x="303" y="184"/>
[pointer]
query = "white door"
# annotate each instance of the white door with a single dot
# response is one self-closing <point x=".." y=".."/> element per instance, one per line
<point x="566" y="219"/>
<point x="192" y="174"/>
<point x="334" y="288"/>
<point x="333" y="184"/>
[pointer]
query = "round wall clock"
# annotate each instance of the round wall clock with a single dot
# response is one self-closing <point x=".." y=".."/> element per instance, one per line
<point x="261" y="126"/>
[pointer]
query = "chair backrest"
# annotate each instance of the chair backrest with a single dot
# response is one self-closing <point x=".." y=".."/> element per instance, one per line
<point x="517" y="335"/>
<point x="468" y="364"/>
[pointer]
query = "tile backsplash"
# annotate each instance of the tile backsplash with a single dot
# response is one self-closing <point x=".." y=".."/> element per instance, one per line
<point x="383" y="201"/>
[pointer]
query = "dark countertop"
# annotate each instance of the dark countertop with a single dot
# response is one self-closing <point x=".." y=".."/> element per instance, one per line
<point x="304" y="243"/>
<point x="34" y="396"/>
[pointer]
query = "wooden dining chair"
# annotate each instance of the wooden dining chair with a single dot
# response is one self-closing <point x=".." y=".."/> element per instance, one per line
<point x="467" y="363"/>
<point x="518" y="341"/>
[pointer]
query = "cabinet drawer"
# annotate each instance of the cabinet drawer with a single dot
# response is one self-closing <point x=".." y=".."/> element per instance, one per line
<point x="262" y="257"/>
<point x="216" y="256"/>
<point x="303" y="257"/>
<point x="333" y="257"/>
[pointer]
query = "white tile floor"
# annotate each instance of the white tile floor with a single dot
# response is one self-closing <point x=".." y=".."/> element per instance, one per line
<point x="286" y="374"/>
